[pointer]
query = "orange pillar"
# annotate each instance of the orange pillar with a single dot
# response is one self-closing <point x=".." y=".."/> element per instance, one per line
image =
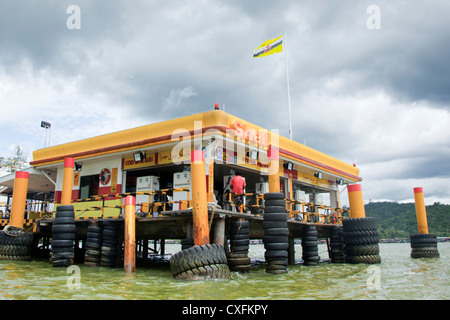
<point x="356" y="202"/>
<point x="129" y="263"/>
<point x="199" y="199"/>
<point x="421" y="212"/>
<point x="274" y="170"/>
<point x="66" y="197"/>
<point x="19" y="199"/>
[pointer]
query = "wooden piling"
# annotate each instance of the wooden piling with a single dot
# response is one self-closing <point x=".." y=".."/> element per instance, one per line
<point x="130" y="235"/>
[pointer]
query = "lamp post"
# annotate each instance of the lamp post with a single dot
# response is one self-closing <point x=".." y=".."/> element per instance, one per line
<point x="46" y="125"/>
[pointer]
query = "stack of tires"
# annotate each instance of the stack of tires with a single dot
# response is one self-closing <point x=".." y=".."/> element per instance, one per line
<point x="93" y="246"/>
<point x="361" y="240"/>
<point x="276" y="233"/>
<point x="238" y="259"/>
<point x="110" y="244"/>
<point x="200" y="262"/>
<point x="15" y="245"/>
<point x="310" y="249"/>
<point x="337" y="254"/>
<point x="424" y="246"/>
<point x="63" y="237"/>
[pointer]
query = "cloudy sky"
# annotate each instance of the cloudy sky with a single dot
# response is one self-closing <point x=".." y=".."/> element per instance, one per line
<point x="369" y="91"/>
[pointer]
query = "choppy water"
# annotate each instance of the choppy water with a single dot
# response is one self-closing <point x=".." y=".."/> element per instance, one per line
<point x="397" y="277"/>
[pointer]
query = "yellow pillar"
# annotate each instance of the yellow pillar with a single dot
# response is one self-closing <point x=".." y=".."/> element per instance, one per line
<point x="356" y="202"/>
<point x="274" y="170"/>
<point x="129" y="263"/>
<point x="421" y="212"/>
<point x="199" y="199"/>
<point x="19" y="199"/>
<point x="66" y="197"/>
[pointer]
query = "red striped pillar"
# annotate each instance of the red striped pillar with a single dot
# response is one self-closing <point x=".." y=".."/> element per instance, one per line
<point x="356" y="202"/>
<point x="421" y="213"/>
<point x="19" y="199"/>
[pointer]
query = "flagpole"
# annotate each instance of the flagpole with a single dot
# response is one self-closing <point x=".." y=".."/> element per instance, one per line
<point x="288" y="90"/>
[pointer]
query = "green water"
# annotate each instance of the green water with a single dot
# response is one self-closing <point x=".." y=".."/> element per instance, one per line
<point x="397" y="277"/>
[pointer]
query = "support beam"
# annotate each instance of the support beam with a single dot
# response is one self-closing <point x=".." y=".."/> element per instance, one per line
<point x="356" y="202"/>
<point x="129" y="264"/>
<point x="274" y="170"/>
<point x="66" y="196"/>
<point x="421" y="213"/>
<point x="19" y="199"/>
<point x="199" y="199"/>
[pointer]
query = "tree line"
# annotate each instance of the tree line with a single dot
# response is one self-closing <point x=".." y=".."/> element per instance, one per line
<point x="398" y="220"/>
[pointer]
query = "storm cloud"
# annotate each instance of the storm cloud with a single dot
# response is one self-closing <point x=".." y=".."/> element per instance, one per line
<point x="378" y="98"/>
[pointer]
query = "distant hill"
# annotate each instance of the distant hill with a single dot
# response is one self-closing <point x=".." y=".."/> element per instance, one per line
<point x="398" y="220"/>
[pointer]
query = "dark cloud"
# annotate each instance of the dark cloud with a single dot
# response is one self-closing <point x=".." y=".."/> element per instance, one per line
<point x="157" y="60"/>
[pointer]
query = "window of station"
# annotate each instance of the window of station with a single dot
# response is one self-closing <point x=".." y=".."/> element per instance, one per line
<point x="88" y="186"/>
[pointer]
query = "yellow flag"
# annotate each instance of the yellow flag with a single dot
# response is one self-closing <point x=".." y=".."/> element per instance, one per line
<point x="269" y="47"/>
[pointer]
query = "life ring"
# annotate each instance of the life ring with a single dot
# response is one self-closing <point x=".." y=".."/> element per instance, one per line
<point x="105" y="176"/>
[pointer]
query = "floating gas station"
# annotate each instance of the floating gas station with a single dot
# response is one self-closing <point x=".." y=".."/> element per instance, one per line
<point x="154" y="164"/>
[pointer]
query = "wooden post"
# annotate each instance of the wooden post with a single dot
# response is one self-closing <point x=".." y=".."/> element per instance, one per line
<point x="199" y="199"/>
<point x="219" y="230"/>
<point x="130" y="235"/>
<point x="421" y="213"/>
<point x="291" y="251"/>
<point x="356" y="202"/>
<point x="66" y="196"/>
<point x="19" y="199"/>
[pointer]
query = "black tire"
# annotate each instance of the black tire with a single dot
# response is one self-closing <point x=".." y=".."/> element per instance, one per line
<point x="275" y="239"/>
<point x="62" y="243"/>
<point x="274" y="224"/>
<point x="57" y="250"/>
<point x="239" y="224"/>
<point x="359" y="224"/>
<point x="239" y="237"/>
<point x="215" y="271"/>
<point x="275" y="254"/>
<point x="361" y="241"/>
<point x="310" y="243"/>
<point x="65" y="220"/>
<point x="368" y="259"/>
<point x="273" y="196"/>
<point x="369" y="249"/>
<point x="63" y="236"/>
<point x="200" y="262"/>
<point x="275" y="203"/>
<point x="275" y="216"/>
<point x="276" y="246"/>
<point x="235" y="232"/>
<point x="430" y="253"/>
<point x="274" y="210"/>
<point x="95" y="230"/>
<point x="239" y="242"/>
<point x="276" y="232"/>
<point x="62" y="262"/>
<point x="64" y="214"/>
<point x="63" y="228"/>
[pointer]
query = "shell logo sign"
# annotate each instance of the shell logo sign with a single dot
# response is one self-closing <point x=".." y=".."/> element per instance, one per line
<point x="241" y="130"/>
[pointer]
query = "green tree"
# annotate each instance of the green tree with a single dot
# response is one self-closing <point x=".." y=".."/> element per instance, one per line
<point x="16" y="162"/>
